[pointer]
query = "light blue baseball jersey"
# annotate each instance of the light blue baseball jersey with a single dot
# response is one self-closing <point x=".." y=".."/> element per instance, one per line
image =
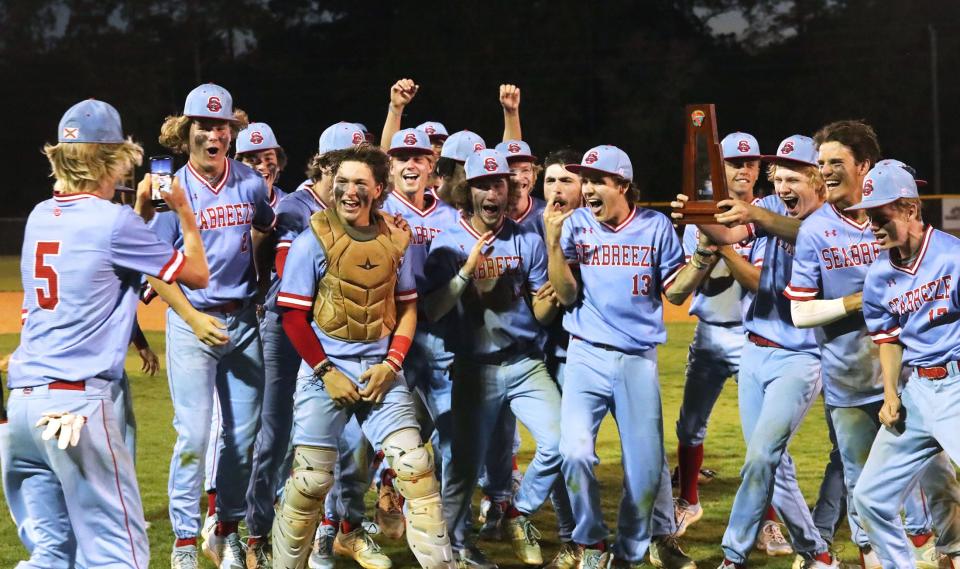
<point x="917" y="304"/>
<point x="728" y="306"/>
<point x="833" y="254"/>
<point x="293" y="216"/>
<point x="769" y="313"/>
<point x="425" y="225"/>
<point x="225" y="213"/>
<point x="305" y="266"/>
<point x="81" y="267"/>
<point x="624" y="271"/>
<point x="494" y="316"/>
<point x="532" y="216"/>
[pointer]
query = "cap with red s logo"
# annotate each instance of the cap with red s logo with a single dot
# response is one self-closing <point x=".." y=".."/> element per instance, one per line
<point x="516" y="151"/>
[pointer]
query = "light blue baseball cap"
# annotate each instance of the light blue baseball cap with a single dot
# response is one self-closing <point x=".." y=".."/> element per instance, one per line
<point x="209" y="101"/>
<point x="516" y="150"/>
<point x="486" y="163"/>
<point x="888" y="161"/>
<point x="886" y="183"/>
<point x="460" y="145"/>
<point x="434" y="129"/>
<point x="410" y="140"/>
<point x="605" y="159"/>
<point x="341" y="135"/>
<point x="367" y="134"/>
<point x="797" y="148"/>
<point x="740" y="145"/>
<point x="256" y="137"/>
<point x="91" y="121"/>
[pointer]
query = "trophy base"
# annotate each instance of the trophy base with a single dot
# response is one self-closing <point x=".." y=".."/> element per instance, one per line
<point x="699" y="213"/>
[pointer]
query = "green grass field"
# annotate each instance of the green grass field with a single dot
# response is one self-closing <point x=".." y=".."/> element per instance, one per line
<point x="724" y="454"/>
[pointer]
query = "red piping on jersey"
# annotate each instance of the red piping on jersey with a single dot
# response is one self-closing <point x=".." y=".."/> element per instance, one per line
<point x="800" y="293"/>
<point x="220" y="184"/>
<point x="527" y="211"/>
<point x="912" y="268"/>
<point x="74" y="197"/>
<point x="415" y="209"/>
<point x="624" y="223"/>
<point x="861" y="226"/>
<point x="886" y="336"/>
<point x="469" y="228"/>
<point x="116" y="477"/>
<point x="176" y="264"/>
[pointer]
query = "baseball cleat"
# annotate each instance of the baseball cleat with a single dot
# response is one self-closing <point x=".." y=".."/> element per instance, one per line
<point x="213" y="547"/>
<point x="322" y="555"/>
<point x="492" y="522"/>
<point x="389" y="514"/>
<point x="471" y="557"/>
<point x="665" y="552"/>
<point x="817" y="564"/>
<point x="686" y="514"/>
<point x="566" y="558"/>
<point x="184" y="557"/>
<point x="524" y="538"/>
<point x="725" y="564"/>
<point x="485" y="503"/>
<point x="234" y="554"/>
<point x="771" y="540"/>
<point x="594" y="559"/>
<point x="209" y="524"/>
<point x="516" y="479"/>
<point x="926" y="556"/>
<point x="259" y="554"/>
<point x="869" y="559"/>
<point x="359" y="546"/>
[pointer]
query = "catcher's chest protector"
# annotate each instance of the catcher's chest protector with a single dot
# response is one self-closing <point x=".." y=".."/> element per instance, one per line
<point x="355" y="298"/>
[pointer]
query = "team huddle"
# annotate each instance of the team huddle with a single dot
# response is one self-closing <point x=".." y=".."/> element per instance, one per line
<point x="415" y="292"/>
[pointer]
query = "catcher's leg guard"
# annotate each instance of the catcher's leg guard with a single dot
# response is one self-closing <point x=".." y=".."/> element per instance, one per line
<point x="302" y="502"/>
<point x="426" y="529"/>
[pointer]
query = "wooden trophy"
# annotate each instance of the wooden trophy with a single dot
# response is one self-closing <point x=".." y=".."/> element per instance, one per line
<point x="702" y="166"/>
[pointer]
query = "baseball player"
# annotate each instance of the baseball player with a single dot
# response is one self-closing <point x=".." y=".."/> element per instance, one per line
<point x="910" y="305"/>
<point x="213" y="339"/>
<point x="528" y="210"/>
<point x="627" y="256"/>
<point x="353" y="346"/>
<point x="438" y="134"/>
<point x="778" y="379"/>
<point x="834" y="250"/>
<point x="494" y="330"/>
<point x="65" y="466"/>
<point x="453" y="155"/>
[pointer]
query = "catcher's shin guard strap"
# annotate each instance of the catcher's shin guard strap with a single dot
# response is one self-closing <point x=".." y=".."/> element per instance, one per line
<point x="299" y="510"/>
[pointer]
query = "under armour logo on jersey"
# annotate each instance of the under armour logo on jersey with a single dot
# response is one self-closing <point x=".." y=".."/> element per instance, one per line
<point x="358" y="138"/>
<point x="490" y="164"/>
<point x="591" y="158"/>
<point x="256" y="137"/>
<point x="891" y="282"/>
<point x="214" y="105"/>
<point x="71" y="133"/>
<point x="585" y="230"/>
<point x="830" y="232"/>
<point x="743" y="146"/>
<point x="787" y="147"/>
<point x="368" y="266"/>
<point x="513" y="148"/>
<point x="410" y="139"/>
<point x="867" y="187"/>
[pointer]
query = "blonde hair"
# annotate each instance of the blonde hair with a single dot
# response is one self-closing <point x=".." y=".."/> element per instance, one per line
<point x="81" y="166"/>
<point x="175" y="131"/>
<point x="810" y="171"/>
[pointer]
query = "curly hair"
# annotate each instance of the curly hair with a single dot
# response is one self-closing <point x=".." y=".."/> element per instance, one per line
<point x="856" y="135"/>
<point x="80" y="166"/>
<point x="175" y="131"/>
<point x="462" y="198"/>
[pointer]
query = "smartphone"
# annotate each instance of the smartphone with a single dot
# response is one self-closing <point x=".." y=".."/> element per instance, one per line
<point x="161" y="178"/>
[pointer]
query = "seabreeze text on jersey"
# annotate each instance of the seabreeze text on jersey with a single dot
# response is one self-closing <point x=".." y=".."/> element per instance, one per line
<point x="229" y="215"/>
<point x="497" y="266"/>
<point x="422" y="234"/>
<point x="856" y="255"/>
<point x="615" y="255"/>
<point x="914" y="299"/>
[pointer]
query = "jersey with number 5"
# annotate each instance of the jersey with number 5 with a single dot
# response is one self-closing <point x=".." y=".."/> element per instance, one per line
<point x="81" y="267"/>
<point x="225" y="213"/>
<point x="624" y="270"/>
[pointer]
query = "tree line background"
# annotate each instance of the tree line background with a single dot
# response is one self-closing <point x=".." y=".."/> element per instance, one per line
<point x="606" y="72"/>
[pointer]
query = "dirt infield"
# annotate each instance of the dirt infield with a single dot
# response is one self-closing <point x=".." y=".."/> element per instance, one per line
<point x="152" y="316"/>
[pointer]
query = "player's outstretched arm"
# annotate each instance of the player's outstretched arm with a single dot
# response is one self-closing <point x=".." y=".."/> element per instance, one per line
<point x="784" y="227"/>
<point x="510" y="101"/>
<point x="558" y="269"/>
<point x="891" y="364"/>
<point x="545" y="304"/>
<point x="818" y="312"/>
<point x="195" y="273"/>
<point x="401" y="93"/>
<point x="742" y="270"/>
<point x="441" y="301"/>
<point x="718" y="234"/>
<point x="693" y="273"/>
